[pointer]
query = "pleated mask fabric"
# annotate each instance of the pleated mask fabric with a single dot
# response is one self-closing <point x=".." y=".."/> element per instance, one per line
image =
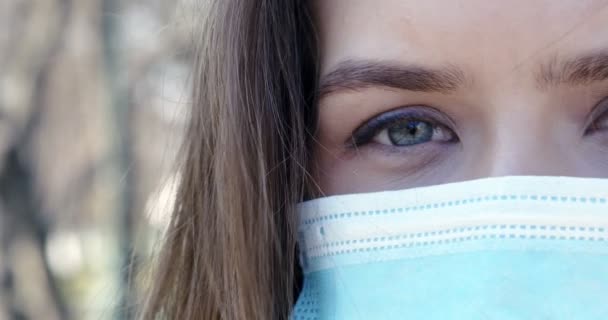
<point x="521" y="247"/>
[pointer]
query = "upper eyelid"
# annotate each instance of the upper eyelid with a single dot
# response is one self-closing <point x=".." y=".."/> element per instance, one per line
<point x="421" y="111"/>
<point x="598" y="111"/>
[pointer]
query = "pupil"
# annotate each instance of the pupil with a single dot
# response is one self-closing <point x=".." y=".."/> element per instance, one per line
<point x="414" y="128"/>
<point x="410" y="132"/>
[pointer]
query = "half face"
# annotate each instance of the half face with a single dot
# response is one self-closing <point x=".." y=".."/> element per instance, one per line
<point x="417" y="93"/>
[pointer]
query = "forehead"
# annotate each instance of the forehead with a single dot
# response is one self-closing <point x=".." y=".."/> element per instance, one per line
<point x="476" y="35"/>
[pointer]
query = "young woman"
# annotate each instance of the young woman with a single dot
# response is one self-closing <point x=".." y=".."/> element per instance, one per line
<point x="439" y="100"/>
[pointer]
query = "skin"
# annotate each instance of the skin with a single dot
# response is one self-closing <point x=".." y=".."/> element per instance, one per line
<point x="528" y="92"/>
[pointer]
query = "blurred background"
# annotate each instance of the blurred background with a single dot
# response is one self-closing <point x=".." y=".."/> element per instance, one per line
<point x="93" y="101"/>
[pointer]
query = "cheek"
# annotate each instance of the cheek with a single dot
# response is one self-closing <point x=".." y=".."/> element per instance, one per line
<point x="368" y="171"/>
<point x="342" y="176"/>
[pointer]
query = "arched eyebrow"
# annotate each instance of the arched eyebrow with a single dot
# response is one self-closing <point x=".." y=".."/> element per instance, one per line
<point x="581" y="70"/>
<point x="361" y="74"/>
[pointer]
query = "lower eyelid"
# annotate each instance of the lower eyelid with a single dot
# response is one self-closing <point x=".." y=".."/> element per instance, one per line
<point x="409" y="151"/>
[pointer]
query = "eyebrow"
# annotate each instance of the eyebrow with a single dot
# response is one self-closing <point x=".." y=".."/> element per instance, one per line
<point x="361" y="74"/>
<point x="581" y="70"/>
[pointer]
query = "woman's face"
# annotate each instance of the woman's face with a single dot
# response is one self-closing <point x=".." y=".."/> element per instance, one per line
<point x="416" y="93"/>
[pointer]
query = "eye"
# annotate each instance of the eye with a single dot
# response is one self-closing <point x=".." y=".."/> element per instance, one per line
<point x="409" y="132"/>
<point x="405" y="127"/>
<point x="600" y="118"/>
<point x="599" y="124"/>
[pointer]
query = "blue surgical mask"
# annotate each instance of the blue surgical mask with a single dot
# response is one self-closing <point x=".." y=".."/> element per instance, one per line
<point x="495" y="248"/>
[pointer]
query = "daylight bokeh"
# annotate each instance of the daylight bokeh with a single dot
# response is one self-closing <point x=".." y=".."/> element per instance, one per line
<point x="93" y="101"/>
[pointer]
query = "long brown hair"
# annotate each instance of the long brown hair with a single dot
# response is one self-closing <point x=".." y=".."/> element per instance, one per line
<point x="230" y="251"/>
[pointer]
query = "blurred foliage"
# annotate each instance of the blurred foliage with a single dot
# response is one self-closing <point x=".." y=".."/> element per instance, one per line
<point x="93" y="100"/>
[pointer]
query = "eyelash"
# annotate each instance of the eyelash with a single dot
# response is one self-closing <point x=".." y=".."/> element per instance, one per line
<point x="366" y="133"/>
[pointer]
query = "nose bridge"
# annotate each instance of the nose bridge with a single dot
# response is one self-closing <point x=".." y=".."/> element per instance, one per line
<point x="523" y="145"/>
<point x="522" y="157"/>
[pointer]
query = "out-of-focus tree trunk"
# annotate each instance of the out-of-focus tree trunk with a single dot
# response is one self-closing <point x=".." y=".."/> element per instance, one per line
<point x="120" y="117"/>
<point x="26" y="57"/>
<point x="90" y="93"/>
<point x="25" y="245"/>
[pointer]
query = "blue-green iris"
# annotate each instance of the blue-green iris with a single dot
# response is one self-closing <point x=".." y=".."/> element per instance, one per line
<point x="410" y="132"/>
